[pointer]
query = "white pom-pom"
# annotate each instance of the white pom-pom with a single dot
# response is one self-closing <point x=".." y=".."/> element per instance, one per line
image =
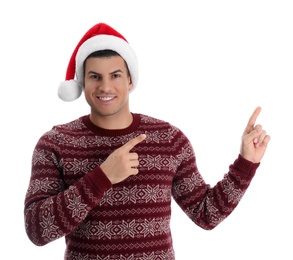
<point x="69" y="90"/>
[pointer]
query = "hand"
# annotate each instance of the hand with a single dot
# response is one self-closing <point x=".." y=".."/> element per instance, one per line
<point x="254" y="140"/>
<point x="122" y="163"/>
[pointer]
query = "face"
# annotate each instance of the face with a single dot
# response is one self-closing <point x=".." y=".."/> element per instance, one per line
<point x="106" y="87"/>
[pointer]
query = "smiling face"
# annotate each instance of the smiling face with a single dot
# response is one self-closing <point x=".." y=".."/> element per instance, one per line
<point x="106" y="87"/>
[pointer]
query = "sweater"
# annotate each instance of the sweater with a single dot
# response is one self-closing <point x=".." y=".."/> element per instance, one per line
<point x="70" y="196"/>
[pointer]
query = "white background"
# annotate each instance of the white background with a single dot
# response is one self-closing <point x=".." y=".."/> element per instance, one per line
<point x="204" y="67"/>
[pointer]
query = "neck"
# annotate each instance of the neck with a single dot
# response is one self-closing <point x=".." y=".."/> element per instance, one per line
<point x="112" y="122"/>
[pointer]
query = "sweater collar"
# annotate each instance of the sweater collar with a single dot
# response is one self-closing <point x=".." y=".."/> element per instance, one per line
<point x="111" y="132"/>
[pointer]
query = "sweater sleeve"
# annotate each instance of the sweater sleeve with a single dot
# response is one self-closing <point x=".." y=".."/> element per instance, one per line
<point x="51" y="209"/>
<point x="208" y="206"/>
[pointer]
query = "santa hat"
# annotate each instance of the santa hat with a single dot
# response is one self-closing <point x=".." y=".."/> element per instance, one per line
<point x="100" y="37"/>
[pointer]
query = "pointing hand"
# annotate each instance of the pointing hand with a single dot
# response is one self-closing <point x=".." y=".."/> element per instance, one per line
<point x="254" y="140"/>
<point x="122" y="163"/>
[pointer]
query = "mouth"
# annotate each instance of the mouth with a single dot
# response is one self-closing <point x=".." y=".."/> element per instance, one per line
<point x="106" y="99"/>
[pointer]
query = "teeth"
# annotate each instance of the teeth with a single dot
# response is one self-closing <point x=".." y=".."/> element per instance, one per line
<point x="105" y="98"/>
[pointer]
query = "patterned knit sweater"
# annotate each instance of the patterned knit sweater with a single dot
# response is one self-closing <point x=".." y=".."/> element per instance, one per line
<point x="70" y="196"/>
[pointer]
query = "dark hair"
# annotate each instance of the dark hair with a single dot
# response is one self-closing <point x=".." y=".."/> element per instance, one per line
<point x="104" y="54"/>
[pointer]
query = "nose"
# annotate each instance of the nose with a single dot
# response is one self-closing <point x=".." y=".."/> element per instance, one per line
<point x="105" y="85"/>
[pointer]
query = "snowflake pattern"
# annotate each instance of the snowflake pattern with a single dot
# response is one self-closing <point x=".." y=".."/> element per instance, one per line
<point x="159" y="163"/>
<point x="127" y="229"/>
<point x="75" y="205"/>
<point x="234" y="195"/>
<point x="151" y="193"/>
<point x="116" y="230"/>
<point x="78" y="209"/>
<point x="188" y="184"/>
<point x="79" y="166"/>
<point x="136" y="194"/>
<point x="43" y="185"/>
<point x="186" y="153"/>
<point x="49" y="229"/>
<point x="134" y="214"/>
<point x="128" y="194"/>
<point x="39" y="156"/>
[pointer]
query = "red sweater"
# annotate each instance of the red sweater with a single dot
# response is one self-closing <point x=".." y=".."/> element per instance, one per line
<point x="69" y="195"/>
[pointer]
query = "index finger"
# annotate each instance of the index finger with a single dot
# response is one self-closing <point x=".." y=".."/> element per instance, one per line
<point x="133" y="142"/>
<point x="252" y="119"/>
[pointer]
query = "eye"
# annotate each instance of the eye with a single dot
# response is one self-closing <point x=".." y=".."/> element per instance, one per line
<point x="94" y="76"/>
<point x="116" y="75"/>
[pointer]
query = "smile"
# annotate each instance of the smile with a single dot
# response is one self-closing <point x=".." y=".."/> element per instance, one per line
<point x="108" y="98"/>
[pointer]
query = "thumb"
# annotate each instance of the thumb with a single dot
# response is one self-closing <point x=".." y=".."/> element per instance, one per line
<point x="133" y="142"/>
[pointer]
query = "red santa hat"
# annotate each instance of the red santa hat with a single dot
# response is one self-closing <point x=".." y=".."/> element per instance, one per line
<point x="100" y="37"/>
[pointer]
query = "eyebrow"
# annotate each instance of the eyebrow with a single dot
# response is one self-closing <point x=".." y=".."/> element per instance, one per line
<point x="116" y="71"/>
<point x="113" y="72"/>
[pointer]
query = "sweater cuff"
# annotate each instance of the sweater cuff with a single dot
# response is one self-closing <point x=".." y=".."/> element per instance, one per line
<point x="99" y="180"/>
<point x="245" y="167"/>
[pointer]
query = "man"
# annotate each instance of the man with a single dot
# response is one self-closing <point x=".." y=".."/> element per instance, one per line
<point x="105" y="180"/>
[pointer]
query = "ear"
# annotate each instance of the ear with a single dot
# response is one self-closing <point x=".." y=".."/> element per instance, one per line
<point x="130" y="85"/>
